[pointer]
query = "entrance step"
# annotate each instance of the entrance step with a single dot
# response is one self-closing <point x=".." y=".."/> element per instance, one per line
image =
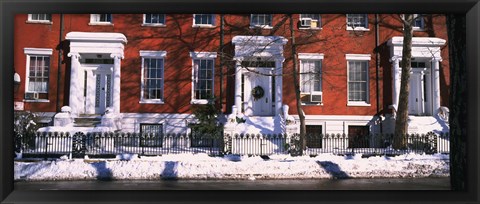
<point x="261" y="125"/>
<point x="91" y="121"/>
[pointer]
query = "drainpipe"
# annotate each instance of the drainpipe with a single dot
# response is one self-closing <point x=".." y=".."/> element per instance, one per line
<point x="60" y="39"/>
<point x="221" y="61"/>
<point x="377" y="67"/>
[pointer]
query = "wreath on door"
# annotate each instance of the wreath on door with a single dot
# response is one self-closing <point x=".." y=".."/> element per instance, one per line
<point x="257" y="92"/>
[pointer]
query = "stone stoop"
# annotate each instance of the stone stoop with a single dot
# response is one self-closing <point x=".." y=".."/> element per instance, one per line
<point x="87" y="121"/>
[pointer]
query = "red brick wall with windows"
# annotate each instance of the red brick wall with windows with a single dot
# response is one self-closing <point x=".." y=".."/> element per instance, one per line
<point x="178" y="38"/>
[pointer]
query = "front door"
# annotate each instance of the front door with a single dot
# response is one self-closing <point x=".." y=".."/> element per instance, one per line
<point x="260" y="78"/>
<point x="416" y="98"/>
<point x="98" y="88"/>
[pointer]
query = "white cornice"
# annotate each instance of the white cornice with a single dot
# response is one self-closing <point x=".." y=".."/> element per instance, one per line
<point x="96" y="36"/>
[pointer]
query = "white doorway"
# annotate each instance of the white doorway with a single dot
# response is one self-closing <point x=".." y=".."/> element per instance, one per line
<point x="419" y="99"/>
<point x="261" y="78"/>
<point x="98" y="88"/>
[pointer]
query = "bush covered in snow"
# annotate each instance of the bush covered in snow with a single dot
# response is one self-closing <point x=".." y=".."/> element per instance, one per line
<point x="24" y="129"/>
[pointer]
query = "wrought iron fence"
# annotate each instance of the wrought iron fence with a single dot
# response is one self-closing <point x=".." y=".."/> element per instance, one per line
<point x="376" y="144"/>
<point x="103" y="143"/>
<point x="109" y="143"/>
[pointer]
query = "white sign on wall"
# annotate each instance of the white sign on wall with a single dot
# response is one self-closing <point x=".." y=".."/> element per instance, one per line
<point x="18" y="105"/>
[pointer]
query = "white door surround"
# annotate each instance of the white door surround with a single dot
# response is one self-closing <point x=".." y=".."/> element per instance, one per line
<point x="424" y="49"/>
<point x="88" y="43"/>
<point x="260" y="48"/>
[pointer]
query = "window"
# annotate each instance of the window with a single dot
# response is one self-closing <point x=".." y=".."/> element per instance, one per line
<point x="154" y="19"/>
<point x="202" y="76"/>
<point x="358" y="136"/>
<point x="261" y="20"/>
<point x="314" y="136"/>
<point x="40" y="18"/>
<point x="153" y="135"/>
<point x="38" y="65"/>
<point x="418" y="22"/>
<point x="357" y="77"/>
<point x="100" y="19"/>
<point x="203" y="19"/>
<point x="152" y="76"/>
<point x="311" y="78"/>
<point x="357" y="22"/>
<point x="310" y="21"/>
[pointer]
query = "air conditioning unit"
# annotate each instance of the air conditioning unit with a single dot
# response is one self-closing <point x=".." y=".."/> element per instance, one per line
<point x="306" y="22"/>
<point x="31" y="96"/>
<point x="316" y="97"/>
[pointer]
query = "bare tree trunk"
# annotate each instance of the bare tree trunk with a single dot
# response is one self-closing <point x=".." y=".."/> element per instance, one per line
<point x="296" y="84"/>
<point x="456" y="25"/>
<point x="401" y="122"/>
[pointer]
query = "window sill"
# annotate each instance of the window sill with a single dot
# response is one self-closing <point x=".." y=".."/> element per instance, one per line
<point x="312" y="104"/>
<point x="203" y="26"/>
<point x="154" y="25"/>
<point x="358" y="104"/>
<point x="40" y="22"/>
<point x="36" y="101"/>
<point x="199" y="101"/>
<point x="100" y="24"/>
<point x="151" y="102"/>
<point x="418" y="29"/>
<point x="316" y="28"/>
<point x="261" y="27"/>
<point x="358" y="29"/>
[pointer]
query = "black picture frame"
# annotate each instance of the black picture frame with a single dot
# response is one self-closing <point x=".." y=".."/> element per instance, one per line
<point x="9" y="8"/>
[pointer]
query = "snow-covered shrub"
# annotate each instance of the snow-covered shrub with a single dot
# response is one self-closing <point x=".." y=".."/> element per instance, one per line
<point x="24" y="129"/>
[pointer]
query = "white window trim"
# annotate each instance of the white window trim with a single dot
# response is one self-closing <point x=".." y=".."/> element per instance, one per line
<point x="357" y="28"/>
<point x="201" y="55"/>
<point x="30" y="20"/>
<point x="311" y="56"/>
<point x="32" y="52"/>
<point x="359" y="57"/>
<point x="415" y="28"/>
<point x="99" y="23"/>
<point x="261" y="26"/>
<point x="155" y="55"/>
<point x="154" y="24"/>
<point x="195" y="25"/>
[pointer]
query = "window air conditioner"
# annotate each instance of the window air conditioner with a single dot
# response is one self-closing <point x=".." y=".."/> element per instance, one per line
<point x="31" y="96"/>
<point x="316" y="97"/>
<point x="306" y="22"/>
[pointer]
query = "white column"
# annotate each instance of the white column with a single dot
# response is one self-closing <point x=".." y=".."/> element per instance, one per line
<point x="116" y="81"/>
<point x="396" y="80"/>
<point x="436" y="84"/>
<point x="278" y="85"/>
<point x="75" y="91"/>
<point x="238" y="85"/>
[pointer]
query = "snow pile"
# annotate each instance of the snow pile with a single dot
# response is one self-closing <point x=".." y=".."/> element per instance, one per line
<point x="202" y="166"/>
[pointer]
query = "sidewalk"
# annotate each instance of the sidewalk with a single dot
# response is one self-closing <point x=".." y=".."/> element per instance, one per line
<point x="201" y="166"/>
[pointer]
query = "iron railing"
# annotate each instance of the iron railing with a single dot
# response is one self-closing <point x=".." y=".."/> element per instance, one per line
<point x="101" y="144"/>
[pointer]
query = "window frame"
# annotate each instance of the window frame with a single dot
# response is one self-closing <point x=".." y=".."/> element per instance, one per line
<point x="144" y="23"/>
<point x="359" y="28"/>
<point x="31" y="20"/>
<point x="212" y="18"/>
<point x="365" y="58"/>
<point x="319" y="21"/>
<point x="420" y="17"/>
<point x="202" y="56"/>
<point x="264" y="26"/>
<point x="37" y="52"/>
<point x="93" y="18"/>
<point x="148" y="54"/>
<point x="311" y="57"/>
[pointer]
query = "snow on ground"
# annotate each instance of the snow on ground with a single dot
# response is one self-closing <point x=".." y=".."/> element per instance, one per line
<point x="202" y="166"/>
